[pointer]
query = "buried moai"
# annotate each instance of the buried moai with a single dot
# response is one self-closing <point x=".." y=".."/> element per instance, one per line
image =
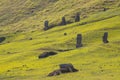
<point x="63" y="21"/>
<point x="79" y="41"/>
<point x="77" y="17"/>
<point x="64" y="68"/>
<point x="46" y="25"/>
<point x="105" y="38"/>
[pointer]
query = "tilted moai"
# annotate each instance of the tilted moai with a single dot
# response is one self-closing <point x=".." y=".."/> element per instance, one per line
<point x="63" y="21"/>
<point x="79" y="41"/>
<point x="46" y="25"/>
<point x="77" y="17"/>
<point x="105" y="37"/>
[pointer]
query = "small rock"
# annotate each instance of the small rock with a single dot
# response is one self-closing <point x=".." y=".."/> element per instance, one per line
<point x="65" y="34"/>
<point x="30" y="38"/>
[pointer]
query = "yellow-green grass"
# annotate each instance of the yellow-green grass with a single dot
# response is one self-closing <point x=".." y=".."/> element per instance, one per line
<point x="95" y="60"/>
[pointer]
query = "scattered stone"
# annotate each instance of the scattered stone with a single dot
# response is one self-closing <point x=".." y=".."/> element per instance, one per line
<point x="8" y="41"/>
<point x="79" y="41"/>
<point x="105" y="9"/>
<point x="105" y="37"/>
<point x="2" y="39"/>
<point x="65" y="34"/>
<point x="47" y="54"/>
<point x="102" y="70"/>
<point x="8" y="52"/>
<point x="77" y="17"/>
<point x="24" y="65"/>
<point x="8" y="70"/>
<point x="30" y="38"/>
<point x="64" y="68"/>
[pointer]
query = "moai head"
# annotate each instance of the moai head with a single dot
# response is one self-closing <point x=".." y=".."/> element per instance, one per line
<point x="63" y="21"/>
<point x="105" y="37"/>
<point x="46" y="25"/>
<point x="77" y="17"/>
<point x="79" y="41"/>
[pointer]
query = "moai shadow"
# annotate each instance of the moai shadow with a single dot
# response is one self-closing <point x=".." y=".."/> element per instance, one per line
<point x="46" y="25"/>
<point x="105" y="38"/>
<point x="63" y="21"/>
<point x="79" y="41"/>
<point x="77" y="17"/>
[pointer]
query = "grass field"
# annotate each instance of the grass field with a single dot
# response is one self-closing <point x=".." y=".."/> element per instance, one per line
<point x="95" y="60"/>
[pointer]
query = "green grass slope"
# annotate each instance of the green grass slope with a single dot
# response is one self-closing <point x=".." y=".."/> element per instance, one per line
<point x="95" y="60"/>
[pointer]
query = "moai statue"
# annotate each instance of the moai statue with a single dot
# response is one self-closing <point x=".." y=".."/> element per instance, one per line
<point x="2" y="39"/>
<point x="79" y="41"/>
<point x="46" y="26"/>
<point x="63" y="21"/>
<point x="77" y="17"/>
<point x="105" y="37"/>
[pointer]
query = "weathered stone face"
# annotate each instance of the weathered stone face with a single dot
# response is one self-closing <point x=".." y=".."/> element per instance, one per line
<point x="79" y="41"/>
<point x="2" y="39"/>
<point x="105" y="38"/>
<point x="63" y="21"/>
<point x="77" y="17"/>
<point x="46" y="25"/>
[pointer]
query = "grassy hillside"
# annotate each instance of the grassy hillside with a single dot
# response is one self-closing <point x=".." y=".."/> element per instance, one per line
<point x="95" y="60"/>
<point x="29" y="15"/>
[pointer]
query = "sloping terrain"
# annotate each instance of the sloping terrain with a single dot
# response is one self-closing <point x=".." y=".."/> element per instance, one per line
<point x="29" y="15"/>
<point x="95" y="60"/>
